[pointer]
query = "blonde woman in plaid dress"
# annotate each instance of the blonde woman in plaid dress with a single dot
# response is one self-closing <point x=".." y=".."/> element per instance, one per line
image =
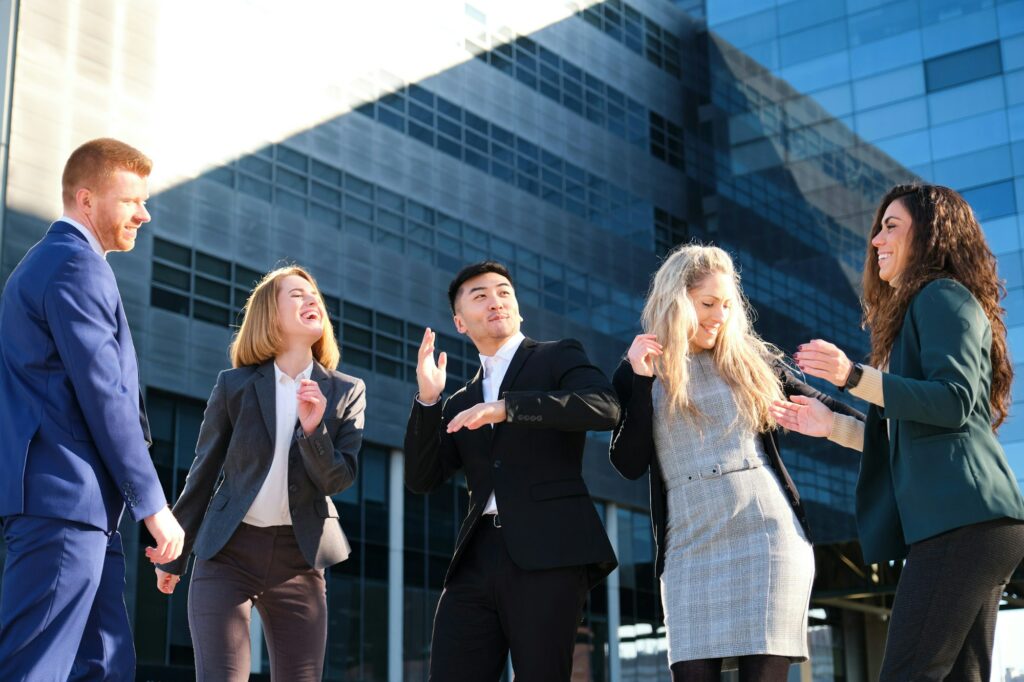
<point x="696" y="390"/>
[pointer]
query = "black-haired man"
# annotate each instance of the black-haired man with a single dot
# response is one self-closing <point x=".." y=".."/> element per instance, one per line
<point x="532" y="544"/>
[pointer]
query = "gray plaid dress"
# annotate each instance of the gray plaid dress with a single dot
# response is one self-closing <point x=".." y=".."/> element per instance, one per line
<point x="738" y="568"/>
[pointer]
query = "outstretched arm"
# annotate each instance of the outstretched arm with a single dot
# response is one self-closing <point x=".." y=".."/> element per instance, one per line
<point x="583" y="401"/>
<point x="951" y="329"/>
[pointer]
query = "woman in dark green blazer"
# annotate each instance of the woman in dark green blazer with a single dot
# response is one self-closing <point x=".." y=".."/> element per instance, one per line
<point x="934" y="485"/>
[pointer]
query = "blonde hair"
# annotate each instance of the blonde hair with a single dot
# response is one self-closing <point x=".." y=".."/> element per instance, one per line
<point x="259" y="337"/>
<point x="744" y="360"/>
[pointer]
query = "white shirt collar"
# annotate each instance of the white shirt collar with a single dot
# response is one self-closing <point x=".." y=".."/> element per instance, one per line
<point x="304" y="374"/>
<point x="89" y="236"/>
<point x="507" y="350"/>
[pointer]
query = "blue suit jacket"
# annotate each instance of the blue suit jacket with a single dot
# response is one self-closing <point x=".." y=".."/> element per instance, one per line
<point x="72" y="441"/>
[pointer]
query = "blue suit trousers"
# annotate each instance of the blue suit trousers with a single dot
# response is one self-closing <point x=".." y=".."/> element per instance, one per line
<point x="62" y="614"/>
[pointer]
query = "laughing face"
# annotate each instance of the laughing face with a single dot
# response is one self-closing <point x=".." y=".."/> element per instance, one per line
<point x="300" y="312"/>
<point x="116" y="211"/>
<point x="712" y="299"/>
<point x="892" y="243"/>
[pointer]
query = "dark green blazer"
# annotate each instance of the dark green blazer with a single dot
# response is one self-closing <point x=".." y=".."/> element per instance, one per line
<point x="938" y="466"/>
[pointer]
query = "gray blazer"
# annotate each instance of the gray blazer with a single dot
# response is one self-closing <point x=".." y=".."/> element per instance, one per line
<point x="234" y="453"/>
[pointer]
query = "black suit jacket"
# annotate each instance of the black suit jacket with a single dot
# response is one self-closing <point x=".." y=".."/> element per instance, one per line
<point x="235" y="451"/>
<point x="533" y="461"/>
<point x="633" y="453"/>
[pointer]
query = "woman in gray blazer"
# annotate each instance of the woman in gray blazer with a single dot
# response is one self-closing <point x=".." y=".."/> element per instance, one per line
<point x="934" y="486"/>
<point x="280" y="436"/>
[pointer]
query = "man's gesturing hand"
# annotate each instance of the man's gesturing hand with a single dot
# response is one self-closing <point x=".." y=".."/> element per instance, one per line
<point x="479" y="415"/>
<point x="430" y="377"/>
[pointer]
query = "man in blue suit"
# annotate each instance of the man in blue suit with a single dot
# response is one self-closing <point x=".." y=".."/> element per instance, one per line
<point x="73" y="435"/>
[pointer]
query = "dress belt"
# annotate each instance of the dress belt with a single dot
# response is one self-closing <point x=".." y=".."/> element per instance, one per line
<point x="719" y="470"/>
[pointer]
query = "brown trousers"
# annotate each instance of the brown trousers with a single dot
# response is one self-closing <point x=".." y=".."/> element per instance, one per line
<point x="259" y="567"/>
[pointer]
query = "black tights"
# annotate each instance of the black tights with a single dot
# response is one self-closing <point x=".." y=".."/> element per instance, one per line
<point x="760" y="668"/>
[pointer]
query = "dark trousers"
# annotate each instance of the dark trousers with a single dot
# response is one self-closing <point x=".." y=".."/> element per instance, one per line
<point x="62" y="612"/>
<point x="944" y="615"/>
<point x="491" y="606"/>
<point x="261" y="567"/>
<point x="756" y="668"/>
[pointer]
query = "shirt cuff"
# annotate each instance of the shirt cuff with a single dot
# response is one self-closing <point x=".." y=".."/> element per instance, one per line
<point x="870" y="386"/>
<point x="847" y="431"/>
<point x="427" y="404"/>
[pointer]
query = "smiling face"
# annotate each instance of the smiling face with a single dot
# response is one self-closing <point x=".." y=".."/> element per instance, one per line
<point x="712" y="299"/>
<point x="300" y="312"/>
<point x="486" y="311"/>
<point x="892" y="243"/>
<point x="116" y="210"/>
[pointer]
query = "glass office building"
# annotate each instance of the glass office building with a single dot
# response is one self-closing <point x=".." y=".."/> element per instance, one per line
<point x="385" y="146"/>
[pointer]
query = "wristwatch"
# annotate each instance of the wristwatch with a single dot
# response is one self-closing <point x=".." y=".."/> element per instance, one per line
<point x="856" y="372"/>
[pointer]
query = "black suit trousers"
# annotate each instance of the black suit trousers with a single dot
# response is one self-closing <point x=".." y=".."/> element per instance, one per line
<point x="490" y="607"/>
<point x="944" y="617"/>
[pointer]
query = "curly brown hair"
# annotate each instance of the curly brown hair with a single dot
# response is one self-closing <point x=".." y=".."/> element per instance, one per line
<point x="946" y="241"/>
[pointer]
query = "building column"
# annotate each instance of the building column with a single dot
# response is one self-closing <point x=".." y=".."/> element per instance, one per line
<point x="396" y="565"/>
<point x="8" y="34"/>
<point x="611" y="524"/>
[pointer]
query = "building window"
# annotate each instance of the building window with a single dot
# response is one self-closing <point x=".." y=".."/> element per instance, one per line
<point x="198" y="284"/>
<point x="669" y="231"/>
<point x="642" y="638"/>
<point x="540" y="69"/>
<point x="627" y="25"/>
<point x="513" y="159"/>
<point x="399" y="223"/>
<point x="992" y="201"/>
<point x="963" y="67"/>
<point x="357" y="589"/>
<point x="431" y="526"/>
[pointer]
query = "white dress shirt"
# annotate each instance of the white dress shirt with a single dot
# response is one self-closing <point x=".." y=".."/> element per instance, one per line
<point x="271" y="508"/>
<point x="90" y="237"/>
<point x="495" y="367"/>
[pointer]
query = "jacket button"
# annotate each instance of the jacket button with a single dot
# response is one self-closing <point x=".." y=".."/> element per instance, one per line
<point x="497" y="464"/>
<point x="293" y="488"/>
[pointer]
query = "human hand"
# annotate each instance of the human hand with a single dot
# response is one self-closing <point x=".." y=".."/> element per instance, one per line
<point x="166" y="582"/>
<point x="479" y="415"/>
<point x="641" y="354"/>
<point x="430" y="377"/>
<point x="169" y="536"/>
<point x="312" y="404"/>
<point x="803" y="415"/>
<point x="824" y="360"/>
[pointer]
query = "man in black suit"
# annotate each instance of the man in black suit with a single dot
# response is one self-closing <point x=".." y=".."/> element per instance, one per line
<point x="532" y="544"/>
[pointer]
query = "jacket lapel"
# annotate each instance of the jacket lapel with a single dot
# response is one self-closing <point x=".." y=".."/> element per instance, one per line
<point x="323" y="379"/>
<point x="475" y="392"/>
<point x="896" y="367"/>
<point x="518" y="360"/>
<point x="475" y="387"/>
<point x="266" y="395"/>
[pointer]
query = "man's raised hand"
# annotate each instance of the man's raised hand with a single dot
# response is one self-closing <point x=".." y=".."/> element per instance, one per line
<point x="430" y="376"/>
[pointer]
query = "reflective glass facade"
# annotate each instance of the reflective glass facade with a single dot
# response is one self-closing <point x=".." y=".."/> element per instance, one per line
<point x="937" y="86"/>
<point x="576" y="144"/>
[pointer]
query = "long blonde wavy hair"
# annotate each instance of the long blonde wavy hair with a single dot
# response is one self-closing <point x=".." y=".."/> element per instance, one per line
<point x="743" y="359"/>
<point x="259" y="337"/>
